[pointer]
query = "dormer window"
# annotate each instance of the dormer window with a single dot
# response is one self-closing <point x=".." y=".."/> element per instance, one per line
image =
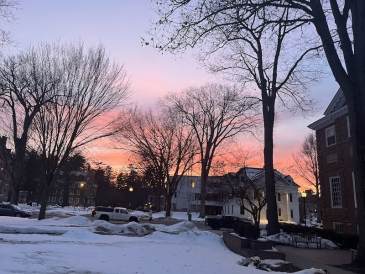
<point x="330" y="136"/>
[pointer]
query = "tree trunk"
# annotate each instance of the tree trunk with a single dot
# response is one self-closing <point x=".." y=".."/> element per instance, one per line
<point x="356" y="108"/>
<point x="203" y="190"/>
<point x="272" y="212"/>
<point x="319" y="212"/>
<point x="18" y="168"/>
<point x="42" y="211"/>
<point x="168" y="206"/>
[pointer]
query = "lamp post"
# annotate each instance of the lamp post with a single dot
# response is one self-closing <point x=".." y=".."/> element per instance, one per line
<point x="130" y="201"/>
<point x="304" y="194"/>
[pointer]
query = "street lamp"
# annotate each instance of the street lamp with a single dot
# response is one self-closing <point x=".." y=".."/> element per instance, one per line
<point x="304" y="194"/>
<point x="130" y="201"/>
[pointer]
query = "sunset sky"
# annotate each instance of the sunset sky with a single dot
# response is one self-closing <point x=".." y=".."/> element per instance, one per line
<point x="119" y="26"/>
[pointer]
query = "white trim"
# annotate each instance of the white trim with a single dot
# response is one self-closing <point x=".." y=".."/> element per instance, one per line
<point x="331" y="179"/>
<point x="338" y="224"/>
<point x="348" y="126"/>
<point x="329" y="119"/>
<point x="354" y="187"/>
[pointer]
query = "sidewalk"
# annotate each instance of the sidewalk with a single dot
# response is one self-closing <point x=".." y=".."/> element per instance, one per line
<point x="317" y="258"/>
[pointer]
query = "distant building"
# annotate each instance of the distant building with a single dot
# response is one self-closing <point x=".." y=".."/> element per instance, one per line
<point x="81" y="192"/>
<point x="335" y="159"/>
<point x="187" y="196"/>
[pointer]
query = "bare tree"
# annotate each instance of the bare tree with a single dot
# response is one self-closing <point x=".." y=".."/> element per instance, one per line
<point x="215" y="113"/>
<point x="256" y="45"/>
<point x="247" y="191"/>
<point x="306" y="166"/>
<point x="27" y="82"/>
<point x="165" y="147"/>
<point x="340" y="26"/>
<point x="7" y="8"/>
<point x="91" y="87"/>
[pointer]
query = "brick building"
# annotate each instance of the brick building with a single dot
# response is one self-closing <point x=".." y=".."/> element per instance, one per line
<point x="334" y="145"/>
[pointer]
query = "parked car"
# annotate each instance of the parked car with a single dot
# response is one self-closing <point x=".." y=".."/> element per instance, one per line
<point x="226" y="221"/>
<point x="13" y="210"/>
<point x="117" y="214"/>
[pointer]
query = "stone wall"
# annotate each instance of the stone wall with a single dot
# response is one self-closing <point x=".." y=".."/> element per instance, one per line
<point x="241" y="246"/>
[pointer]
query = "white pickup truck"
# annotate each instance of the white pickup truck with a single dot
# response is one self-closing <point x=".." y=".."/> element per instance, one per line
<point x="116" y="214"/>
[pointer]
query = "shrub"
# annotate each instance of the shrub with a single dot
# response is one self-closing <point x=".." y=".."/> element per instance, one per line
<point x="241" y="229"/>
<point x="252" y="232"/>
<point x="235" y="227"/>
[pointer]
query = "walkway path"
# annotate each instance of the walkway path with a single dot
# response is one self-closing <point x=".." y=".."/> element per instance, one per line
<point x="317" y="258"/>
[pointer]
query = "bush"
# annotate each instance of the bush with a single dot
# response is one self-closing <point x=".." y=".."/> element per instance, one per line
<point x="241" y="229"/>
<point x="252" y="232"/>
<point x="235" y="227"/>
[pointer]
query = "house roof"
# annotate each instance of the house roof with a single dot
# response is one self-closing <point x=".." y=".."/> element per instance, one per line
<point x="253" y="173"/>
<point x="335" y="109"/>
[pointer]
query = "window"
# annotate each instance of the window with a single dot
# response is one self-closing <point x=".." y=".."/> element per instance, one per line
<point x="70" y="200"/>
<point x="60" y="199"/>
<point x="61" y="192"/>
<point x="77" y="201"/>
<point x="55" y="191"/>
<point x="330" y="136"/>
<point x="175" y="194"/>
<point x="291" y="213"/>
<point x="78" y="192"/>
<point x="279" y="197"/>
<point x="290" y="197"/>
<point x="336" y="197"/>
<point x="338" y="227"/>
<point x="71" y="192"/>
<point x="53" y="199"/>
<point x="242" y="210"/>
<point x="279" y="211"/>
<point x="232" y="209"/>
<point x="353" y="185"/>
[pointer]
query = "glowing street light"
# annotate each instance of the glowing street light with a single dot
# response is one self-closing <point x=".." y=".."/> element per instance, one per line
<point x="130" y="201"/>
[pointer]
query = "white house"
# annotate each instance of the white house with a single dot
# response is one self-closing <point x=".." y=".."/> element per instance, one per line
<point x="187" y="196"/>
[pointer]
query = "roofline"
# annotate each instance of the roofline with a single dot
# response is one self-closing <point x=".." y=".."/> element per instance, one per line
<point x="333" y="102"/>
<point x="329" y="119"/>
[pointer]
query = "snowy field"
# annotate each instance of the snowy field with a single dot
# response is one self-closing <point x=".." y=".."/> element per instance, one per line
<point x="77" y="245"/>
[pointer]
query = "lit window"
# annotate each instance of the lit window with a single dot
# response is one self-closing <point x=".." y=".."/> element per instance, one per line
<point x="336" y="197"/>
<point x="330" y="136"/>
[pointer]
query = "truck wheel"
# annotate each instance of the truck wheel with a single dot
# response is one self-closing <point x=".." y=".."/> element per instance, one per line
<point x="133" y="219"/>
<point x="104" y="218"/>
<point x="216" y="227"/>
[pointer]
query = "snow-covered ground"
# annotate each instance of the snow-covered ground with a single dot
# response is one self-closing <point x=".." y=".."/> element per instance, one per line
<point x="77" y="245"/>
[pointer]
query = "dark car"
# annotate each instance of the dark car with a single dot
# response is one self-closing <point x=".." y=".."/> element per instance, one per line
<point x="13" y="210"/>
